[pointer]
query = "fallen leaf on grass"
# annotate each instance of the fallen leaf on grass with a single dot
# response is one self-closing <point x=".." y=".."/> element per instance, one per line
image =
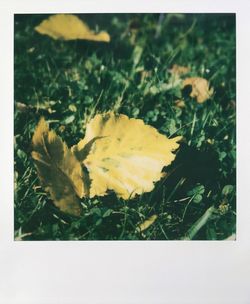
<point x="146" y="224"/>
<point x="58" y="169"/>
<point x="69" y="27"/>
<point x="120" y="154"/>
<point x="179" y="70"/>
<point x="125" y="155"/>
<point x="200" y="88"/>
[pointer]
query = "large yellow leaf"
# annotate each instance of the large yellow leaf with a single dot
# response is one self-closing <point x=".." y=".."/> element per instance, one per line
<point x="69" y="27"/>
<point x="123" y="155"/>
<point x="200" y="88"/>
<point x="58" y="169"/>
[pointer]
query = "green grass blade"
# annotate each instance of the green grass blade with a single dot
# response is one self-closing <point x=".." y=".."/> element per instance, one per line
<point x="196" y="227"/>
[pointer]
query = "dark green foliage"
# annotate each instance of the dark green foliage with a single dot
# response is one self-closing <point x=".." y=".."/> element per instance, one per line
<point x="68" y="82"/>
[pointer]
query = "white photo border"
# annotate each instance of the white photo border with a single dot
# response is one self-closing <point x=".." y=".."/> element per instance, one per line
<point x="119" y="272"/>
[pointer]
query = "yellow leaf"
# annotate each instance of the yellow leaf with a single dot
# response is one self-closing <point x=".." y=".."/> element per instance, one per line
<point x="146" y="224"/>
<point x="200" y="88"/>
<point x="58" y="169"/>
<point x="69" y="27"/>
<point x="123" y="155"/>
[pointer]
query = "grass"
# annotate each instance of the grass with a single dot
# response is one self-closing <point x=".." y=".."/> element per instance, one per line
<point x="68" y="82"/>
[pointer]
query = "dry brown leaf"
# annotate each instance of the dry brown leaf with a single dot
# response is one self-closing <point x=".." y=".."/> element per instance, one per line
<point x="58" y="169"/>
<point x="69" y="27"/>
<point x="200" y="88"/>
<point x="179" y="70"/>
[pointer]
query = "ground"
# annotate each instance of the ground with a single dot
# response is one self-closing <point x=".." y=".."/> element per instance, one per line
<point x="68" y="82"/>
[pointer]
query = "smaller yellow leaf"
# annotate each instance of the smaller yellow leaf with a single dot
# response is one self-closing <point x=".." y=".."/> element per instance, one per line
<point x="69" y="27"/>
<point x="146" y="224"/>
<point x="200" y="88"/>
<point x="58" y="169"/>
